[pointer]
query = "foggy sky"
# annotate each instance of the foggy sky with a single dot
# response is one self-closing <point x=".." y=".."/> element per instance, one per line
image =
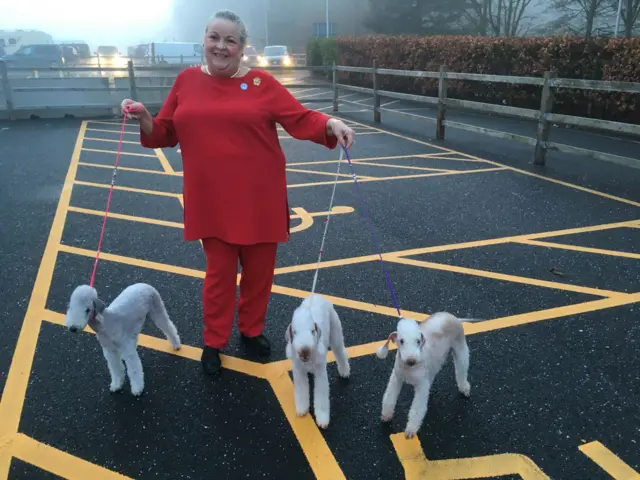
<point x="97" y="22"/>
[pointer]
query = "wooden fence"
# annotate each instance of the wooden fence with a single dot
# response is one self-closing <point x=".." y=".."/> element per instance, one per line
<point x="544" y="116"/>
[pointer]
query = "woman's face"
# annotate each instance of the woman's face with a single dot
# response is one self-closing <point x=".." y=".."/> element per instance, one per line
<point x="222" y="48"/>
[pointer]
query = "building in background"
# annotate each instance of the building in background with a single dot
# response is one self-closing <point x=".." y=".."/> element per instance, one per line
<point x="12" y="40"/>
<point x="275" y="22"/>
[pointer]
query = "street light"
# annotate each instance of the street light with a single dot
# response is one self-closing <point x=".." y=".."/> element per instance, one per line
<point x="266" y="23"/>
<point x="327" y="13"/>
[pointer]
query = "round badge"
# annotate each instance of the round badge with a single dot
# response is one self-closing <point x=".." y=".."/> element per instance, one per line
<point x="243" y="86"/>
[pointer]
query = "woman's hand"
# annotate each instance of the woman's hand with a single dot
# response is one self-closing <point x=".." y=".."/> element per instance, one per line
<point x="341" y="131"/>
<point x="134" y="110"/>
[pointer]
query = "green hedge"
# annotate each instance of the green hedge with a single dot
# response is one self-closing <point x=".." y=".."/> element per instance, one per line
<point x="593" y="59"/>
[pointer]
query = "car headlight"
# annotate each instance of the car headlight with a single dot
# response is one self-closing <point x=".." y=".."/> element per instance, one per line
<point x="287" y="60"/>
<point x="245" y="58"/>
<point x="263" y="62"/>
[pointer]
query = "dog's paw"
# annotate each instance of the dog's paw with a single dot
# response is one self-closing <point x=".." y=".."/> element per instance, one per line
<point x="115" y="387"/>
<point x="344" y="372"/>
<point x="301" y="412"/>
<point x="465" y="389"/>
<point x="137" y="391"/>
<point x="322" y="420"/>
<point x="386" y="417"/>
<point x="409" y="433"/>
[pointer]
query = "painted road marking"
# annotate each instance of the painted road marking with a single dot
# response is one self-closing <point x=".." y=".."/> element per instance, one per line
<point x="318" y="454"/>
<point x="524" y="172"/>
<point x="307" y="218"/>
<point x="418" y="467"/>
<point x="609" y="461"/>
<point x="577" y="248"/>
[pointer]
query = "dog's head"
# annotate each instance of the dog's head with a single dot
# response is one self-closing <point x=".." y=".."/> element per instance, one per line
<point x="302" y="335"/>
<point x="84" y="307"/>
<point x="410" y="341"/>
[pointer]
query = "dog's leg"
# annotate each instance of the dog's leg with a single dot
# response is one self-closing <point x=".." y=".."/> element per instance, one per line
<point x="390" y="398"/>
<point x="418" y="409"/>
<point x="336" y="339"/>
<point x="300" y="390"/>
<point x="461" y="365"/>
<point x="321" y="402"/>
<point x="160" y="317"/>
<point x="134" y="371"/>
<point x="116" y="369"/>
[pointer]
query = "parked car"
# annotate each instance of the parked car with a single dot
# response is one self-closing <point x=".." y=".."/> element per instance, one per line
<point x="251" y="56"/>
<point x="38" y="55"/>
<point x="276" y="55"/>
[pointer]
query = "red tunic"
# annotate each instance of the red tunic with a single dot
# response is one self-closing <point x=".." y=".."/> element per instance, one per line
<point x="234" y="183"/>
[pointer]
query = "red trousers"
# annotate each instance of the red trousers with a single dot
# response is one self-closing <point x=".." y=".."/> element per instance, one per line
<point x="219" y="291"/>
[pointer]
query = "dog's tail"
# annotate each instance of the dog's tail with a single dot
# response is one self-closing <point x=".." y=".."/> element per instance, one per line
<point x="160" y="318"/>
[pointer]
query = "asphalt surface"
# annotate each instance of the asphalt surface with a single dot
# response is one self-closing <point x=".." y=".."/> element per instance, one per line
<point x="543" y="384"/>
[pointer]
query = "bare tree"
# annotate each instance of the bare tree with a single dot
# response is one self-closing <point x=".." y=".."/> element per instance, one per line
<point x="628" y="14"/>
<point x="497" y="17"/>
<point x="586" y="10"/>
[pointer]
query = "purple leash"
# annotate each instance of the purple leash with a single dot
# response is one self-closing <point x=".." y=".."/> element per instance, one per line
<point x="373" y="232"/>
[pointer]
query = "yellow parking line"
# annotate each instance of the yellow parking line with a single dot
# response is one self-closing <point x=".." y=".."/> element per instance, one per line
<point x="131" y="218"/>
<point x="609" y="461"/>
<point x="577" y="248"/>
<point x="316" y="172"/>
<point x="186" y="351"/>
<point x="110" y="131"/>
<point x="114" y="152"/>
<point x="504" y="277"/>
<point x="128" y="189"/>
<point x="407" y="167"/>
<point x="56" y="461"/>
<point x="524" y="172"/>
<point x="163" y="161"/>
<point x="418" y="467"/>
<point x="111" y="141"/>
<point x="130" y="169"/>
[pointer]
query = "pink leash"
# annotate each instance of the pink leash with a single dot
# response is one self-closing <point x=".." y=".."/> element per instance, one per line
<point x="127" y="109"/>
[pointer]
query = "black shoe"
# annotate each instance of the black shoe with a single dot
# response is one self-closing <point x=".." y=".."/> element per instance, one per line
<point x="211" y="363"/>
<point x="258" y="345"/>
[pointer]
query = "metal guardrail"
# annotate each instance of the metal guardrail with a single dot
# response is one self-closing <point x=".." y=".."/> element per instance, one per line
<point x="151" y="83"/>
<point x="544" y="115"/>
<point x="65" y="88"/>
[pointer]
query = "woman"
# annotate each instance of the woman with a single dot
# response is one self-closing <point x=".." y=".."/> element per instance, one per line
<point x="224" y="116"/>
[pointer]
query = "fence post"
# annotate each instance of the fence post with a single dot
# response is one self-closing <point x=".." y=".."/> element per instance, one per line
<point x="442" y="103"/>
<point x="544" y="127"/>
<point x="335" y="88"/>
<point x="6" y="88"/>
<point x="376" y="97"/>
<point x="133" y="90"/>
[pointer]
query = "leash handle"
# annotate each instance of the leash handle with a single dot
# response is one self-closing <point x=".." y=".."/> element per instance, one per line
<point x="373" y="233"/>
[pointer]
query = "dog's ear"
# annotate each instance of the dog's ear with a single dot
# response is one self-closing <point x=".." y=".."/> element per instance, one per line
<point x="383" y="351"/>
<point x="99" y="306"/>
<point x="318" y="330"/>
<point x="288" y="334"/>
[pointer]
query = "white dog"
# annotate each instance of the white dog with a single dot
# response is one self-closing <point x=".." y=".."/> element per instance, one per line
<point x="314" y="328"/>
<point x="422" y="351"/>
<point x="117" y="327"/>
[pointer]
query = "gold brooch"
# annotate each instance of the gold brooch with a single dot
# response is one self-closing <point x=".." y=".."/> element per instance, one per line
<point x="257" y="81"/>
